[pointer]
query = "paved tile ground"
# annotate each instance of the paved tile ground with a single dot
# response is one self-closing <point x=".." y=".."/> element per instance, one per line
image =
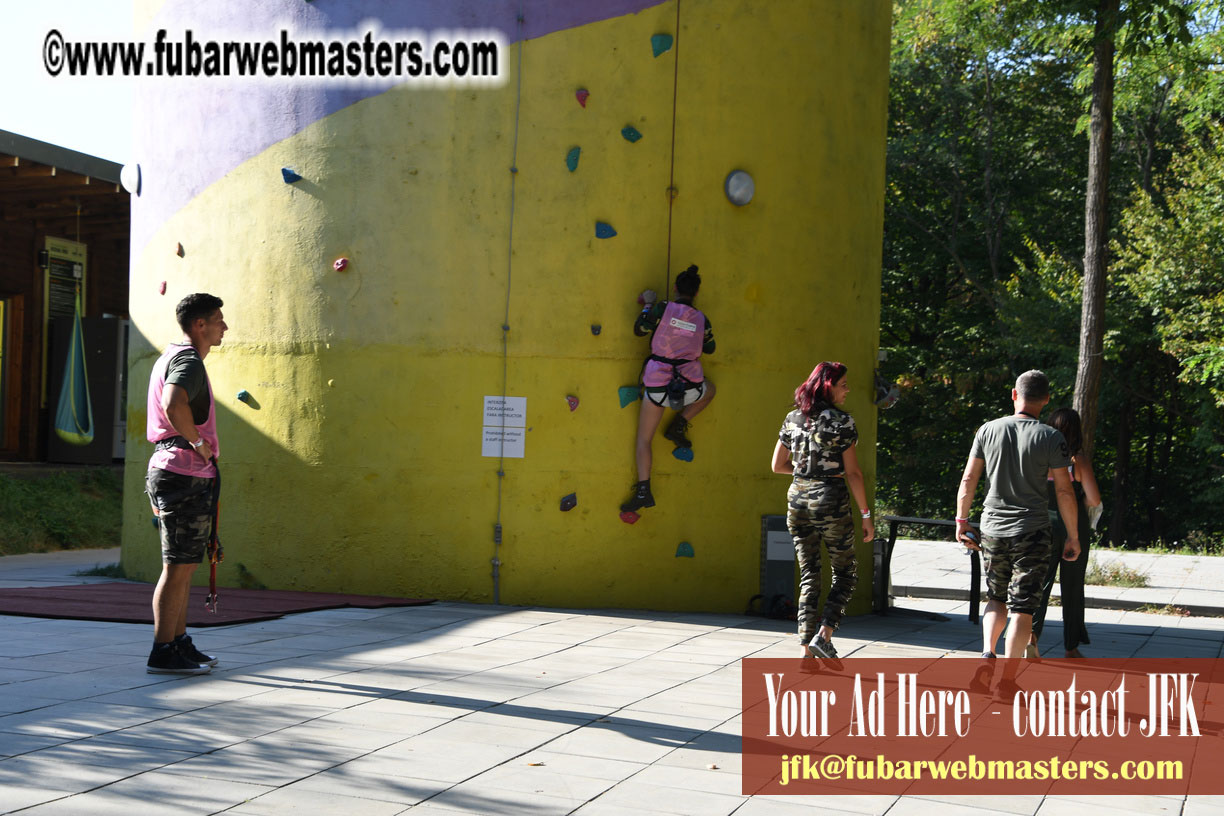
<point x="456" y="708"/>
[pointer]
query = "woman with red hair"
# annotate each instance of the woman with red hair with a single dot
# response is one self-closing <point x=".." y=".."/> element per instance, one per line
<point x="816" y="446"/>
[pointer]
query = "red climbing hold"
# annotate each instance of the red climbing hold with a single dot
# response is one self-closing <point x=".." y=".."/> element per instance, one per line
<point x="340" y="264"/>
<point x="629" y="517"/>
<point x="162" y="289"/>
<point x="582" y="95"/>
<point x="573" y="402"/>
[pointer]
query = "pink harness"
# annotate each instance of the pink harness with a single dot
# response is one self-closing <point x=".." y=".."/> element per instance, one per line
<point x="677" y="339"/>
<point x="185" y="462"/>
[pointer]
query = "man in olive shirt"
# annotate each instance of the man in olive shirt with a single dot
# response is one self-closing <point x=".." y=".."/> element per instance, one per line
<point x="1017" y="453"/>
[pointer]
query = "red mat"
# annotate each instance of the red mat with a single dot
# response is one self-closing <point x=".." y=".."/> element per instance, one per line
<point x="132" y="603"/>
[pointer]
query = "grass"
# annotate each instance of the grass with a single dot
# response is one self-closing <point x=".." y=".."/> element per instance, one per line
<point x="72" y="510"/>
<point x="1115" y="574"/>
<point x="103" y="571"/>
<point x="1167" y="609"/>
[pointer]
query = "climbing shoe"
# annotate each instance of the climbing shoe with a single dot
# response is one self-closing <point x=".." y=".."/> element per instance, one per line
<point x="641" y="497"/>
<point x="675" y="432"/>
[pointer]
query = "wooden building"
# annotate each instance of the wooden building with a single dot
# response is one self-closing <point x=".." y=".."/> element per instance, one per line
<point x="64" y="225"/>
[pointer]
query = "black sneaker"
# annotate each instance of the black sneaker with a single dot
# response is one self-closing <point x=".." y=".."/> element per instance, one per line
<point x="641" y="497"/>
<point x="192" y="653"/>
<point x="167" y="659"/>
<point x="675" y="432"/>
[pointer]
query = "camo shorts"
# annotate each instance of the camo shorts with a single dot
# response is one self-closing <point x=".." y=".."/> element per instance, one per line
<point x="183" y="505"/>
<point x="1016" y="567"/>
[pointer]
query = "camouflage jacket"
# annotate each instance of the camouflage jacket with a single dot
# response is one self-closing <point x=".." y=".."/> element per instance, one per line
<point x="816" y="443"/>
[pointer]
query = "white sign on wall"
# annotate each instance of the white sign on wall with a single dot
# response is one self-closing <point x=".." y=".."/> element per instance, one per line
<point x="505" y="427"/>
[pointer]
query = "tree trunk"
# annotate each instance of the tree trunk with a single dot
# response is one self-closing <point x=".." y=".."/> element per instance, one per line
<point x="1096" y="222"/>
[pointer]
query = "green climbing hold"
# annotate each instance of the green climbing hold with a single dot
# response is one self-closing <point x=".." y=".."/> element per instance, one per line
<point x="629" y="394"/>
<point x="660" y="43"/>
<point x="571" y="158"/>
<point x="630" y="133"/>
<point x="685" y="550"/>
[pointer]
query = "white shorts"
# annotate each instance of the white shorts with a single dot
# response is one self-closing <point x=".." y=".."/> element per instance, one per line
<point x="658" y="395"/>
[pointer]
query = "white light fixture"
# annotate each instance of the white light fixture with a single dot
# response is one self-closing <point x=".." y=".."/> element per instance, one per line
<point x="739" y="187"/>
<point x="129" y="177"/>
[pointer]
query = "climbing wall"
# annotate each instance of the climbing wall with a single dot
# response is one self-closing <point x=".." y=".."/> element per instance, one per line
<point x="391" y="259"/>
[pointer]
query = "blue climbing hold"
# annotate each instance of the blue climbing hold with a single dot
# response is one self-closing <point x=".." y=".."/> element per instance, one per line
<point x="603" y="230"/>
<point x="569" y="502"/>
<point x="683" y="454"/>
<point x="685" y="550"/>
<point x="289" y="176"/>
<point x="244" y="396"/>
<point x="660" y="43"/>
<point x="629" y="394"/>
<point x="571" y="158"/>
<point x="630" y="133"/>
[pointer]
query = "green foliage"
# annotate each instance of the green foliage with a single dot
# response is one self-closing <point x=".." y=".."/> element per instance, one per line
<point x="1115" y="574"/>
<point x="984" y="231"/>
<point x="1172" y="258"/>
<point x="71" y="510"/>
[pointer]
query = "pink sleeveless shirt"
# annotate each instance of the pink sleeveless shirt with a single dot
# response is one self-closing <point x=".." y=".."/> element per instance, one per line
<point x="679" y="337"/>
<point x="177" y="460"/>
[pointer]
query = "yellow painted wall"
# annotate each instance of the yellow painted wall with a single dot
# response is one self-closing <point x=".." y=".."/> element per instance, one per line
<point x="361" y="470"/>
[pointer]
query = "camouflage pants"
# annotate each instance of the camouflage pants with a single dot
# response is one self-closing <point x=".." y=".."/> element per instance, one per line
<point x="184" y="514"/>
<point x="818" y="511"/>
<point x="1016" y="567"/>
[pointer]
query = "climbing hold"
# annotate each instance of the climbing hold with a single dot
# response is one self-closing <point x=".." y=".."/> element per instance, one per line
<point x="331" y="383"/>
<point x="660" y="43"/>
<point x="629" y="517"/>
<point x="573" y="402"/>
<point x="683" y="454"/>
<point x="178" y="250"/>
<point x="603" y="230"/>
<point x="341" y="264"/>
<point x="684" y="550"/>
<point x="596" y="329"/>
<point x="289" y="176"/>
<point x="629" y="394"/>
<point x="630" y="133"/>
<point x="154" y="522"/>
<point x="582" y="95"/>
<point x="244" y="396"/>
<point x="571" y="158"/>
<point x="162" y="289"/>
<point x="569" y="502"/>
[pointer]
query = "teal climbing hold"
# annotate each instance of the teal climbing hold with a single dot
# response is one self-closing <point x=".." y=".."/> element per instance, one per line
<point x="685" y="550"/>
<point x="571" y="158"/>
<point x="629" y="394"/>
<point x="660" y="43"/>
<point x="630" y="133"/>
<point x="603" y="230"/>
<point x="683" y="454"/>
<point x="289" y="176"/>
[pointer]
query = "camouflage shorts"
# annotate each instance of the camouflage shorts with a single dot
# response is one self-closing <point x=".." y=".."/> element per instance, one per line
<point x="184" y="514"/>
<point x="1016" y="567"/>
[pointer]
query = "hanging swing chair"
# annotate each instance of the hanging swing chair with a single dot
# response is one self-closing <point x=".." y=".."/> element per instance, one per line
<point x="74" y="416"/>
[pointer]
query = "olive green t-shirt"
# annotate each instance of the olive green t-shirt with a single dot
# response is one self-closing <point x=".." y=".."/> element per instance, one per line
<point x="1019" y="453"/>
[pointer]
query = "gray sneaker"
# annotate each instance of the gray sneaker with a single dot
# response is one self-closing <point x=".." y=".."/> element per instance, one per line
<point x="819" y="647"/>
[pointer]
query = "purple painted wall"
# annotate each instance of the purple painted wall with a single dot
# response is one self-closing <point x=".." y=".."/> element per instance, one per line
<point x="188" y="134"/>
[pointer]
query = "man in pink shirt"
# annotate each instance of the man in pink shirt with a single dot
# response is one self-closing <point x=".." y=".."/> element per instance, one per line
<point x="182" y="424"/>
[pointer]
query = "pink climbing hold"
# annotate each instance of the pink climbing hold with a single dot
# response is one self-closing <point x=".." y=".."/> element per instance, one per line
<point x="573" y="402"/>
<point x="340" y="264"/>
<point x="629" y="517"/>
<point x="582" y="95"/>
<point x="162" y="289"/>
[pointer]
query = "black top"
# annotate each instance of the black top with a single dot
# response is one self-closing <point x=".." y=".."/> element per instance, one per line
<point x="186" y="370"/>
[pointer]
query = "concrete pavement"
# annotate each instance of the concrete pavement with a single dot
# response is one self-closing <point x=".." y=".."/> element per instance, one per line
<point x="459" y="708"/>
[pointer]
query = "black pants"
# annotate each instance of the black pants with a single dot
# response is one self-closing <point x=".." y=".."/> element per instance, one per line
<point x="1070" y="582"/>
